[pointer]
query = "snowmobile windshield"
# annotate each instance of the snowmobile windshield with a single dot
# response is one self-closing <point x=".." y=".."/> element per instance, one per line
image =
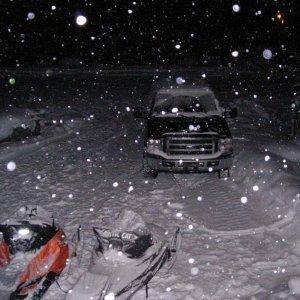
<point x="26" y="237"/>
<point x="130" y="243"/>
<point x="184" y="103"/>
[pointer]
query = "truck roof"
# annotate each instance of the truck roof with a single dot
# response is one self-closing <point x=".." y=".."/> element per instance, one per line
<point x="185" y="90"/>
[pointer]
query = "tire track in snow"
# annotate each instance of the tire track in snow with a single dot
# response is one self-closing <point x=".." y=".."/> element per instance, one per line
<point x="221" y="208"/>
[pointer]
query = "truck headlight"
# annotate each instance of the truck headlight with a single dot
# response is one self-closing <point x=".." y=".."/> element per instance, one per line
<point x="225" y="145"/>
<point x="154" y="143"/>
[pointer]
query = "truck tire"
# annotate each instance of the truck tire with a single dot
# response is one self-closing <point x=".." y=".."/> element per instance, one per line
<point x="223" y="174"/>
<point x="37" y="129"/>
<point x="148" y="172"/>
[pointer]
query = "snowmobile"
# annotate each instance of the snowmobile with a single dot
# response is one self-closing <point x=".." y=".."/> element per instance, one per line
<point x="33" y="253"/>
<point x="124" y="259"/>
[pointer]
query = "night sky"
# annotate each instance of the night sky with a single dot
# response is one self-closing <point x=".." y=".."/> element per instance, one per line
<point x="144" y="33"/>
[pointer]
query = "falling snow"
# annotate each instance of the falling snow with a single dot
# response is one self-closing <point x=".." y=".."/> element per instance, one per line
<point x="11" y="166"/>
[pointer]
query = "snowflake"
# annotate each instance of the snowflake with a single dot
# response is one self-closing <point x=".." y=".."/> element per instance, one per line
<point x="130" y="189"/>
<point x="11" y="166"/>
<point x="180" y="80"/>
<point x="267" y="54"/>
<point x="235" y="53"/>
<point x="194" y="271"/>
<point x="30" y="16"/>
<point x="236" y="8"/>
<point x="81" y="20"/>
<point x="244" y="199"/>
<point x="109" y="296"/>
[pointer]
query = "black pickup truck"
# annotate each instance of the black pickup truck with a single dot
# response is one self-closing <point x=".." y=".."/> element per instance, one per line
<point x="186" y="131"/>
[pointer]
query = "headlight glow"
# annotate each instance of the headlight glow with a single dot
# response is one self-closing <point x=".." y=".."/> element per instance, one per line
<point x="225" y="145"/>
<point x="154" y="143"/>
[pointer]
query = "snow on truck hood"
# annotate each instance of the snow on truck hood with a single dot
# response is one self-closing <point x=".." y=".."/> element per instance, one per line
<point x="159" y="125"/>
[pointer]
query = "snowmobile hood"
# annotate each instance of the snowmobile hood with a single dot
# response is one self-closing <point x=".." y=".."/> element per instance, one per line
<point x="33" y="252"/>
<point x="28" y="229"/>
<point x="157" y="126"/>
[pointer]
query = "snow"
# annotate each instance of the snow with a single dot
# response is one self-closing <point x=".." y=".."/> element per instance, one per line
<point x="12" y="81"/>
<point x="294" y="285"/>
<point x="81" y="20"/>
<point x="235" y="53"/>
<point x="11" y="166"/>
<point x="236" y="246"/>
<point x="267" y="54"/>
<point x="244" y="200"/>
<point x="180" y="80"/>
<point x="30" y="16"/>
<point x="110" y="296"/>
<point x="194" y="271"/>
<point x="236" y="8"/>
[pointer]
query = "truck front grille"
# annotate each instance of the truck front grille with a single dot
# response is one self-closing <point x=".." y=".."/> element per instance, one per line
<point x="190" y="143"/>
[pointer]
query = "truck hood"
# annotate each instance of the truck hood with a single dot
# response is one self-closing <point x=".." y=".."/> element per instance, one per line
<point x="157" y="126"/>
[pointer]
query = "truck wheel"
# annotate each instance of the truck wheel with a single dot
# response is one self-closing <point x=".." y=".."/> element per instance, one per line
<point x="37" y="129"/>
<point x="148" y="172"/>
<point x="224" y="173"/>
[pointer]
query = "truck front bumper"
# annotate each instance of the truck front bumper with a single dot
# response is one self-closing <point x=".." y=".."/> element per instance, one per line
<point x="159" y="163"/>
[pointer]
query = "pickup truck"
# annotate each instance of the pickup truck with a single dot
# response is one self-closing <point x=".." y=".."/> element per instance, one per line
<point x="186" y="131"/>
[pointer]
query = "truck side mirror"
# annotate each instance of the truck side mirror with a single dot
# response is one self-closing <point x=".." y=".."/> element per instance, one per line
<point x="140" y="113"/>
<point x="230" y="112"/>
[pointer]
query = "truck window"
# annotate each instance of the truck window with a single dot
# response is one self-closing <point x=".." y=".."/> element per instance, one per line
<point x="184" y="103"/>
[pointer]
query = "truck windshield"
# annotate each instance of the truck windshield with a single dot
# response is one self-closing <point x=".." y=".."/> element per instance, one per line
<point x="184" y="103"/>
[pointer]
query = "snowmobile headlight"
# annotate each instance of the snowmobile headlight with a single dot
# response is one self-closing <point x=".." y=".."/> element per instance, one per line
<point x="225" y="145"/>
<point x="23" y="231"/>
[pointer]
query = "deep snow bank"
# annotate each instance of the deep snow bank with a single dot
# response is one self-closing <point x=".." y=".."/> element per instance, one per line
<point x="269" y="181"/>
<point x="266" y="165"/>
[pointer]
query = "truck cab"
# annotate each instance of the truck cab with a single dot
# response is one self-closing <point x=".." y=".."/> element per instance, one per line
<point x="186" y="131"/>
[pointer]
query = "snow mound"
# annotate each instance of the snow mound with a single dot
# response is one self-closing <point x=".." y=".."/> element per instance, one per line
<point x="12" y="119"/>
<point x="294" y="285"/>
<point x="270" y="184"/>
<point x="131" y="221"/>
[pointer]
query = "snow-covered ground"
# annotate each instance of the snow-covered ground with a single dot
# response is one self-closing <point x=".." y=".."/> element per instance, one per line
<point x="241" y="236"/>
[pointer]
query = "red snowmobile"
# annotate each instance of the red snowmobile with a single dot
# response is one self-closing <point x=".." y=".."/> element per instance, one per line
<point x="33" y="253"/>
